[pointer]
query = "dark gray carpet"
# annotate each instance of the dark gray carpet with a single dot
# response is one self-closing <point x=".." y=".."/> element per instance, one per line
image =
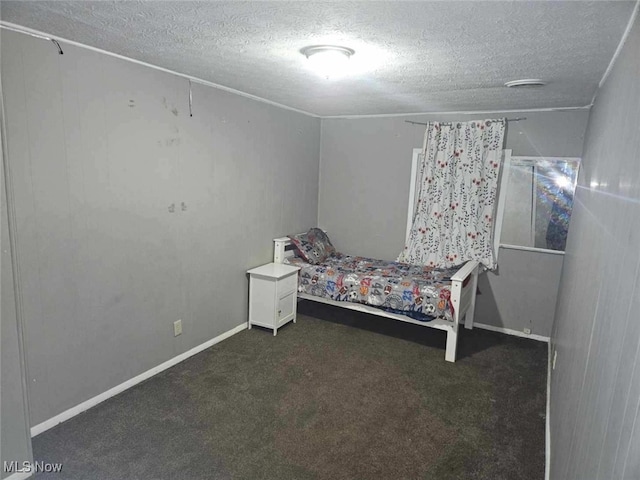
<point x="350" y="396"/>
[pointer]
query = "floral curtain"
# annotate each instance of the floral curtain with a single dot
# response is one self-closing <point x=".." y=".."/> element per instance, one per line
<point x="456" y="186"/>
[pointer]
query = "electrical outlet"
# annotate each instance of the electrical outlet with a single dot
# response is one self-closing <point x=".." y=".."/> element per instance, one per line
<point x="177" y="328"/>
<point x="555" y="357"/>
<point x="527" y="331"/>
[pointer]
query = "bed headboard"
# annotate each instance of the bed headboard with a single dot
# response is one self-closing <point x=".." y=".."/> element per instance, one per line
<point x="282" y="248"/>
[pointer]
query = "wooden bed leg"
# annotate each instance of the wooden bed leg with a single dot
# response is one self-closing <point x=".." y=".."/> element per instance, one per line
<point x="468" y="318"/>
<point x="452" y="344"/>
<point x="471" y="311"/>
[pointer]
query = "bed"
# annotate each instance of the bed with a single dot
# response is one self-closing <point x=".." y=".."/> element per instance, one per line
<point x="441" y="299"/>
<point x="455" y="290"/>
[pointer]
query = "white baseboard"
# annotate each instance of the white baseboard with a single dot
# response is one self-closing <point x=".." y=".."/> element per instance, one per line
<point x="19" y="476"/>
<point x="547" y="434"/>
<point x="509" y="331"/>
<point x="72" y="412"/>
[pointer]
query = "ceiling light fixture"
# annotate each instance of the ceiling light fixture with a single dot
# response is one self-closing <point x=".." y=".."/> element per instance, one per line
<point x="525" y="82"/>
<point x="330" y="61"/>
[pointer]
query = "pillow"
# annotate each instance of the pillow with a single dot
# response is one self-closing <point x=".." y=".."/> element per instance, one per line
<point x="314" y="246"/>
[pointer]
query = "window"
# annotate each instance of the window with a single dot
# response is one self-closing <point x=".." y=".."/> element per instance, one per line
<point x="539" y="202"/>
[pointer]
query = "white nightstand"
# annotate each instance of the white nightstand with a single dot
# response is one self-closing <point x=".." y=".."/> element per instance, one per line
<point x="273" y="295"/>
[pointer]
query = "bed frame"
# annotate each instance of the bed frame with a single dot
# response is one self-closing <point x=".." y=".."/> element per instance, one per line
<point x="463" y="296"/>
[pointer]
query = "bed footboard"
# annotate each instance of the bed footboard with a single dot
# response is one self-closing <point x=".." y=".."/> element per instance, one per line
<point x="464" y="284"/>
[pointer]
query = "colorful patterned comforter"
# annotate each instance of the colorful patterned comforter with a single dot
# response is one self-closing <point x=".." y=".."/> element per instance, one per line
<point x="422" y="293"/>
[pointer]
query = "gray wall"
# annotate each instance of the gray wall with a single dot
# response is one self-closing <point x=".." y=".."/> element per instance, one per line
<point x="595" y="389"/>
<point x="365" y="167"/>
<point x="522" y="293"/>
<point x="100" y="148"/>
<point x="15" y="440"/>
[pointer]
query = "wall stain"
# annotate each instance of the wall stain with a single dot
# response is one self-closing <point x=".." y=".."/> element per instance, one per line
<point x="174" y="110"/>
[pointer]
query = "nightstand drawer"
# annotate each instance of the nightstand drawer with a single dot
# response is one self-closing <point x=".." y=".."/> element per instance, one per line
<point x="288" y="284"/>
<point x="286" y="306"/>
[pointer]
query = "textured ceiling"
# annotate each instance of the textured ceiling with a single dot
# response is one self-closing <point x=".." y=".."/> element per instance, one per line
<point x="410" y="56"/>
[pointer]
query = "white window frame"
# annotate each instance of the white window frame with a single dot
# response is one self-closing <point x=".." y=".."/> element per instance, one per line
<point x="532" y="160"/>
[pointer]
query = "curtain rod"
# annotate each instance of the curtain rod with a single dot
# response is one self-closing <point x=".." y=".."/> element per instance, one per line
<point x="43" y="37"/>
<point x="451" y="123"/>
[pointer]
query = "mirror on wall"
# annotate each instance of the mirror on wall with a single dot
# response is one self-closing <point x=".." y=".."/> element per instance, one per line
<point x="539" y="202"/>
